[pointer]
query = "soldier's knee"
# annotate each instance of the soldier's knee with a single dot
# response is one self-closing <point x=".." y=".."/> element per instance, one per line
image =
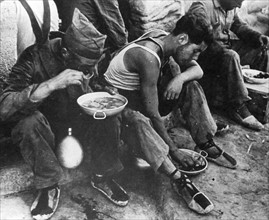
<point x="31" y="123"/>
<point x="135" y="117"/>
<point x="231" y="54"/>
<point x="193" y="85"/>
<point x="141" y="119"/>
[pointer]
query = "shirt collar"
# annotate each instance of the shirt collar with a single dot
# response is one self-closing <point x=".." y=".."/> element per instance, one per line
<point x="55" y="45"/>
<point x="216" y="4"/>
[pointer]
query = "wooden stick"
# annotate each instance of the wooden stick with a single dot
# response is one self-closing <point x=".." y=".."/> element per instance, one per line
<point x="249" y="147"/>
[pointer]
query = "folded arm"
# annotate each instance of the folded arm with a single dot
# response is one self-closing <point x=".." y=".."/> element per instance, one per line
<point x="191" y="72"/>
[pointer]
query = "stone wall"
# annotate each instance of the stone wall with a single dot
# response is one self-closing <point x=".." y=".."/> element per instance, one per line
<point x="143" y="15"/>
<point x="151" y="14"/>
<point x="256" y="14"/>
<point x="8" y="39"/>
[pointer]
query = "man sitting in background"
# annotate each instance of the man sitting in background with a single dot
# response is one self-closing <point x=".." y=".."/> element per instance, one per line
<point x="221" y="62"/>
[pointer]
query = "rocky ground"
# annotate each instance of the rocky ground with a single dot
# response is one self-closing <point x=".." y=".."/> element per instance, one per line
<point x="237" y="194"/>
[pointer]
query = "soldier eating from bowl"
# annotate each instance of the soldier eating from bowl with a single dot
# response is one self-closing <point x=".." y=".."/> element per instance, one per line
<point x="236" y="44"/>
<point x="39" y="101"/>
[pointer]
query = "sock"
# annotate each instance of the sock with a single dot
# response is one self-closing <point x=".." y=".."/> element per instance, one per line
<point x="168" y="168"/>
<point x="176" y="176"/>
<point x="42" y="207"/>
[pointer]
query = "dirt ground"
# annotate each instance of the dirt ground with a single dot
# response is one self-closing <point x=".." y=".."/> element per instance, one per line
<point x="242" y="193"/>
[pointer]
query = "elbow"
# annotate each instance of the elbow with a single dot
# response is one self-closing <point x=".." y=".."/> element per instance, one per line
<point x="4" y="114"/>
<point x="200" y="72"/>
<point x="5" y="110"/>
<point x="197" y="70"/>
<point x="3" y="118"/>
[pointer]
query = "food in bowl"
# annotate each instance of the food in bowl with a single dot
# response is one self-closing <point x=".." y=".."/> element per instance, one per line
<point x="255" y="76"/>
<point x="261" y="75"/>
<point x="103" y="103"/>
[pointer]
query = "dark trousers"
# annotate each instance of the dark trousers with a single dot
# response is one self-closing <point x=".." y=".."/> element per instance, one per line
<point x="192" y="104"/>
<point x="36" y="138"/>
<point x="223" y="81"/>
<point x="254" y="57"/>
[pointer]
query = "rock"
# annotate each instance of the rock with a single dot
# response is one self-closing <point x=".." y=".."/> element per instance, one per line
<point x="148" y="14"/>
<point x="256" y="14"/>
<point x="144" y="15"/>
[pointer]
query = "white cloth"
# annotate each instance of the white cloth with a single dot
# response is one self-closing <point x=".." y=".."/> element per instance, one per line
<point x="25" y="34"/>
<point x="117" y="74"/>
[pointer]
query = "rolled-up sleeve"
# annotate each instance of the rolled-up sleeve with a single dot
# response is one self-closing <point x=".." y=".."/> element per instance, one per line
<point x="245" y="32"/>
<point x="15" y="102"/>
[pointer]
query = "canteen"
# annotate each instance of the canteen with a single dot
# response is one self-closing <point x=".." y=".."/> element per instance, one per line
<point x="69" y="151"/>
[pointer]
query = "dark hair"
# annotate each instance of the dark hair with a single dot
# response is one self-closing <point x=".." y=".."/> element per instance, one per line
<point x="196" y="26"/>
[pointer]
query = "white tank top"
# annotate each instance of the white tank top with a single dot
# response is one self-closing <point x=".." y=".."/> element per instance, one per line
<point x="117" y="74"/>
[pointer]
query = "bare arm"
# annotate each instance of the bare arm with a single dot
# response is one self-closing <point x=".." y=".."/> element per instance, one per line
<point x="192" y="72"/>
<point x="148" y="68"/>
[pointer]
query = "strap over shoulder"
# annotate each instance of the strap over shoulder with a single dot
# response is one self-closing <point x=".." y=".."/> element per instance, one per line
<point x="152" y="35"/>
<point x="42" y="33"/>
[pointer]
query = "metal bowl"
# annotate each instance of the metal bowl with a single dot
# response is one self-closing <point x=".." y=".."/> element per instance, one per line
<point x="194" y="155"/>
<point x="100" y="113"/>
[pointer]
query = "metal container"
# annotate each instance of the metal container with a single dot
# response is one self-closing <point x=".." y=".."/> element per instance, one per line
<point x="103" y="113"/>
<point x="70" y="152"/>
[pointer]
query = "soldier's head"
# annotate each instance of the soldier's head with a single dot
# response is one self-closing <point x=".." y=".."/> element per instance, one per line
<point x="83" y="44"/>
<point x="193" y="34"/>
<point x="230" y="4"/>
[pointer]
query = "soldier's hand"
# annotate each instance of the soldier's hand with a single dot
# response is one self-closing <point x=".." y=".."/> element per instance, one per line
<point x="173" y="88"/>
<point x="264" y="40"/>
<point x="186" y="160"/>
<point x="66" y="78"/>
